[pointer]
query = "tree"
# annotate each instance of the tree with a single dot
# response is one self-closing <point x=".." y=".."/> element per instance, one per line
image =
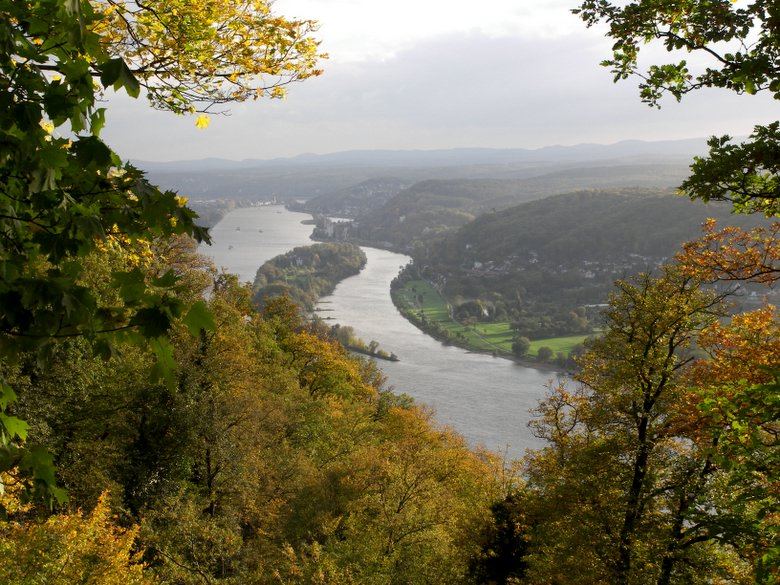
<point x="505" y="546"/>
<point x="742" y="47"/>
<point x="737" y="392"/>
<point x="64" y="194"/>
<point x="544" y="354"/>
<point x="520" y="346"/>
<point x="734" y="255"/>
<point x="659" y="464"/>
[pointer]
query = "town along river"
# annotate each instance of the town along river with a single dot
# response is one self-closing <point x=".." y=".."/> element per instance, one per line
<point x="485" y="399"/>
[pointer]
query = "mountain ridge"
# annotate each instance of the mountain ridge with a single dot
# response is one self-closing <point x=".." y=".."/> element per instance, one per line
<point x="444" y="157"/>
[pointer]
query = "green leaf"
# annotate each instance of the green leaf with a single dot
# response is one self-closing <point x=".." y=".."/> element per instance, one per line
<point x="91" y="151"/>
<point x="14" y="427"/>
<point x="153" y="322"/>
<point x="167" y="280"/>
<point x="199" y="318"/>
<point x="60" y="494"/>
<point x="165" y="366"/>
<point x="53" y="156"/>
<point x="116" y="73"/>
<point x="41" y="463"/>
<point x="131" y="284"/>
<point x="7" y="395"/>
<point x="97" y="121"/>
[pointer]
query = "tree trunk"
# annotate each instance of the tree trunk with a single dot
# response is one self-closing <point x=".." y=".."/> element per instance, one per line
<point x="632" y="505"/>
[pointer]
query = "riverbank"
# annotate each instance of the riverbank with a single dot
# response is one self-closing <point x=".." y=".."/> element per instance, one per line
<point x="421" y="304"/>
<point x="487" y="400"/>
<point x="494" y="339"/>
<point x="380" y="356"/>
<point x="388" y="246"/>
<point x="305" y="275"/>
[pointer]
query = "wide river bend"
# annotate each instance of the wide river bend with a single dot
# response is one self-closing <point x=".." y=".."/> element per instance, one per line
<point x="486" y="399"/>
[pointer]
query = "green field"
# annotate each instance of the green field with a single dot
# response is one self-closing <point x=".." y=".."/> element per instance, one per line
<point x="419" y="297"/>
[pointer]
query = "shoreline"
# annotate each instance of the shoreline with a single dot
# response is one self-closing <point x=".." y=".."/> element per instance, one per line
<point x="389" y="358"/>
<point x="527" y="363"/>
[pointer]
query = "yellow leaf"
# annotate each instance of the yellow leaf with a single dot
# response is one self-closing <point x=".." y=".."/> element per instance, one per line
<point x="202" y="122"/>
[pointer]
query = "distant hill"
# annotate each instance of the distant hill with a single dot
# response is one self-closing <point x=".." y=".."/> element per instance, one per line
<point x="285" y="184"/>
<point x="447" y="157"/>
<point x="603" y="226"/>
<point x="431" y="208"/>
<point x="357" y="199"/>
<point x="539" y="265"/>
<point x="308" y="176"/>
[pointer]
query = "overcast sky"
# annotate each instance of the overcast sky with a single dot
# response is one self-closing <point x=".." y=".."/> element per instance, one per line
<point x="423" y="74"/>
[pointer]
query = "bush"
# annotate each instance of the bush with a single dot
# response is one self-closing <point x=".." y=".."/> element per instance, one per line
<point x="544" y="354"/>
<point x="520" y="346"/>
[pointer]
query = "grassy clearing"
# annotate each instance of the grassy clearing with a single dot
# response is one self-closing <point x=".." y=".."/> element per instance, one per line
<point x="420" y="298"/>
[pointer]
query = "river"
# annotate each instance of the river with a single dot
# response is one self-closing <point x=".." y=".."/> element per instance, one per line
<point x="486" y="399"/>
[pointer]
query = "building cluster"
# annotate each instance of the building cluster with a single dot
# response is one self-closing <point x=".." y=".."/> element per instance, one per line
<point x="588" y="269"/>
<point x="332" y="229"/>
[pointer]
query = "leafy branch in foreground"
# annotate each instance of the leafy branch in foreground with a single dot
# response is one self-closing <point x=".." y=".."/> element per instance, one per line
<point x="740" y="41"/>
<point x="742" y="48"/>
<point x="64" y="194"/>
<point x="192" y="56"/>
<point x="745" y="174"/>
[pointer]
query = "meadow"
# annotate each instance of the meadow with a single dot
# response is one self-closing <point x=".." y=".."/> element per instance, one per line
<point x="421" y="299"/>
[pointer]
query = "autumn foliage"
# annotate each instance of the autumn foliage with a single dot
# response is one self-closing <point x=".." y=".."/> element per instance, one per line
<point x="195" y="56"/>
<point x="734" y="254"/>
<point x="71" y="548"/>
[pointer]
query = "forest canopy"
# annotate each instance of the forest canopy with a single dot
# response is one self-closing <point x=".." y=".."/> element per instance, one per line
<point x="307" y="273"/>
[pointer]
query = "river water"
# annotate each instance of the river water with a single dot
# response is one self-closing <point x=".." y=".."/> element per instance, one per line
<point x="485" y="399"/>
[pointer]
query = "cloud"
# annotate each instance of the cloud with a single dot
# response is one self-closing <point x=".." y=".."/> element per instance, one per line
<point x="359" y="30"/>
<point x="456" y="90"/>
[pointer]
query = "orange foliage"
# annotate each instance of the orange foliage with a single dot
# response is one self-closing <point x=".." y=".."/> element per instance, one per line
<point x="325" y="366"/>
<point x="740" y="350"/>
<point x="734" y="254"/>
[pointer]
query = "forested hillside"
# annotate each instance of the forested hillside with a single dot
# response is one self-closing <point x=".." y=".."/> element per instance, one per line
<point x="538" y="264"/>
<point x="429" y="209"/>
<point x="271" y="455"/>
<point x="607" y="226"/>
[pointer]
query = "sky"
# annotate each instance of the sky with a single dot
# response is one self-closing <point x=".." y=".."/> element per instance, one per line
<point x="430" y="74"/>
